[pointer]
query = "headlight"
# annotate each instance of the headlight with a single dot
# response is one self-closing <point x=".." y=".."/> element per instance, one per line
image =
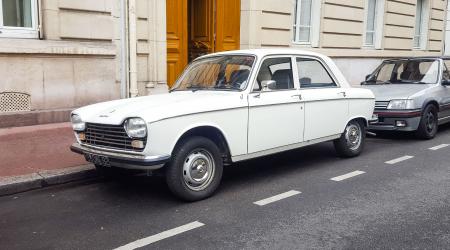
<point x="136" y="128"/>
<point x="77" y="123"/>
<point x="400" y="104"/>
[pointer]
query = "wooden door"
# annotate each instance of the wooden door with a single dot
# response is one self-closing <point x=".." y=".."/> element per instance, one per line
<point x="177" y="38"/>
<point x="228" y="19"/>
<point x="201" y="28"/>
<point x="198" y="27"/>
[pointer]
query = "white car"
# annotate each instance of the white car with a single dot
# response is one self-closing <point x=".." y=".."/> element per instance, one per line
<point x="225" y="108"/>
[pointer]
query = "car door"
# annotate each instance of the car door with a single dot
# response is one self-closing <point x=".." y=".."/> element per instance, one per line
<point x="326" y="105"/>
<point x="276" y="112"/>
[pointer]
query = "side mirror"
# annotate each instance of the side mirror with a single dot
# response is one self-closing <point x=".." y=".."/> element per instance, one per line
<point x="370" y="78"/>
<point x="445" y="82"/>
<point x="269" y="84"/>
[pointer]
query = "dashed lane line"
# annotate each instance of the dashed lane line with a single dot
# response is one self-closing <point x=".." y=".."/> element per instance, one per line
<point x="161" y="236"/>
<point x="400" y="159"/>
<point x="277" y="198"/>
<point x="439" y="147"/>
<point x="347" y="176"/>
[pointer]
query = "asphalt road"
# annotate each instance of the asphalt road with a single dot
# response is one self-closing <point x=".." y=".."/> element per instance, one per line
<point x="402" y="205"/>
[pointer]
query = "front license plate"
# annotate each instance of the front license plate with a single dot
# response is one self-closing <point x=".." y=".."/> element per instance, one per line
<point x="97" y="159"/>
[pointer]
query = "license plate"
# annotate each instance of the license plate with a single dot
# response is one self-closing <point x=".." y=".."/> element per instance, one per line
<point x="97" y="159"/>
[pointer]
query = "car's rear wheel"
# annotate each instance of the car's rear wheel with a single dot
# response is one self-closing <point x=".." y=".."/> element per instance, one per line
<point x="428" y="125"/>
<point x="195" y="171"/>
<point x="351" y="142"/>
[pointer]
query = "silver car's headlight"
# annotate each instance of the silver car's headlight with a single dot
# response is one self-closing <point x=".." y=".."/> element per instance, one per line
<point x="401" y="104"/>
<point x="77" y="123"/>
<point x="136" y="128"/>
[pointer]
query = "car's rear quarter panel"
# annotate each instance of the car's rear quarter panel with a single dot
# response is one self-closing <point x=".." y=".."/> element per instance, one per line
<point x="361" y="103"/>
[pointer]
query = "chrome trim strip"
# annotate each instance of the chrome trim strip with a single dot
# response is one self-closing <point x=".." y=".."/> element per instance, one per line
<point x="282" y="148"/>
<point x="111" y="150"/>
<point x="203" y="112"/>
<point x="120" y="155"/>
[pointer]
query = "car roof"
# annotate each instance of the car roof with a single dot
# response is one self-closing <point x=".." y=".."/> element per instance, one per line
<point x="260" y="53"/>
<point x="419" y="58"/>
<point x="267" y="52"/>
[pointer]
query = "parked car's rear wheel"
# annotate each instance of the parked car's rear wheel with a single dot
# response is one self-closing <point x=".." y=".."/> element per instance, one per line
<point x="428" y="125"/>
<point x="196" y="169"/>
<point x="351" y="142"/>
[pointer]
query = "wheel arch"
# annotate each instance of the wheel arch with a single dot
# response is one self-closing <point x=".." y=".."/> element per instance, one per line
<point x="211" y="132"/>
<point x="428" y="102"/>
<point x="362" y="119"/>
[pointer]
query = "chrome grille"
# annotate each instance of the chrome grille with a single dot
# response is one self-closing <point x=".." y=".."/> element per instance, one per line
<point x="109" y="136"/>
<point x="381" y="104"/>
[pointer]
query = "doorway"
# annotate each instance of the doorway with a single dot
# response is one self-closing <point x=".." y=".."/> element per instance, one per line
<point x="199" y="27"/>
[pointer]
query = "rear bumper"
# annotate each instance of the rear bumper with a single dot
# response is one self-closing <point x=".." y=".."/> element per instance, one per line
<point x="387" y="120"/>
<point x="124" y="160"/>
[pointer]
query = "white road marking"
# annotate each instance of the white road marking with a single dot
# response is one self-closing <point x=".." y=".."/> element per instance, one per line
<point x="397" y="160"/>
<point x="439" y="147"/>
<point x="277" y="198"/>
<point x="346" y="176"/>
<point x="161" y="236"/>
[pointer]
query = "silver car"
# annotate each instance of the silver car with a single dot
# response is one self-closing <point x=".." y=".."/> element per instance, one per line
<point x="412" y="94"/>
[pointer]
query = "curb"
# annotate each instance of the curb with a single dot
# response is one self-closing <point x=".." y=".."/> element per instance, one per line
<point x="22" y="183"/>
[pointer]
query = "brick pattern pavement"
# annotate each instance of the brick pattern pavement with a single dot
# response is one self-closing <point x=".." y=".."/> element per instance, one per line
<point x="31" y="149"/>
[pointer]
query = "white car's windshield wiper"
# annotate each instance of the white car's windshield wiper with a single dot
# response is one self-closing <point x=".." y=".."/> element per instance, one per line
<point x="227" y="87"/>
<point x="195" y="87"/>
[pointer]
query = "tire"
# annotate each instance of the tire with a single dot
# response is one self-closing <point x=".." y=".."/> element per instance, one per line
<point x="428" y="125"/>
<point x="351" y="143"/>
<point x="195" y="171"/>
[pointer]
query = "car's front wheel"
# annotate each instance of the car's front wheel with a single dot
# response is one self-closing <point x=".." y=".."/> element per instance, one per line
<point x="195" y="171"/>
<point x="351" y="142"/>
<point x="428" y="125"/>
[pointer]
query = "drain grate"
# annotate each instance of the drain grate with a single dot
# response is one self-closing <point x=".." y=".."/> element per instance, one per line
<point x="14" y="102"/>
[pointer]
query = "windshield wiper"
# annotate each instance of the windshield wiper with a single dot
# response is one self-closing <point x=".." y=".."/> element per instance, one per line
<point x="227" y="87"/>
<point x="195" y="87"/>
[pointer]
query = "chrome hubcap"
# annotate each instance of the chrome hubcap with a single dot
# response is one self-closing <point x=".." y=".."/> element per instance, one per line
<point x="198" y="169"/>
<point x="353" y="136"/>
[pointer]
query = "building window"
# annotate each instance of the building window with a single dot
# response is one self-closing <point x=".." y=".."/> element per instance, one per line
<point x="374" y="23"/>
<point x="421" y="25"/>
<point x="18" y="18"/>
<point x="307" y="21"/>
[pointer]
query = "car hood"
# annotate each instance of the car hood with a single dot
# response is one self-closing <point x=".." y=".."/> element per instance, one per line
<point x="156" y="107"/>
<point x="389" y="92"/>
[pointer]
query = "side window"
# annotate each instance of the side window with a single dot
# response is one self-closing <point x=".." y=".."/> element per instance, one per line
<point x="312" y="74"/>
<point x="278" y="70"/>
<point x="446" y="74"/>
<point x="386" y="73"/>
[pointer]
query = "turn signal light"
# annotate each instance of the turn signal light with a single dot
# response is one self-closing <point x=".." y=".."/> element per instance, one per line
<point x="137" y="144"/>
<point x="82" y="136"/>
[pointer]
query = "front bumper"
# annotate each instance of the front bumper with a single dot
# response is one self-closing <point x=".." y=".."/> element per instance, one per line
<point x="124" y="160"/>
<point x="387" y="120"/>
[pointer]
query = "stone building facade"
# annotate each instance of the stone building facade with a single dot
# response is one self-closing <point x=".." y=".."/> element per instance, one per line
<point x="56" y="55"/>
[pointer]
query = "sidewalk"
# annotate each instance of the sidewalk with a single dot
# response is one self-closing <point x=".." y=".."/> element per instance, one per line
<point x="39" y="155"/>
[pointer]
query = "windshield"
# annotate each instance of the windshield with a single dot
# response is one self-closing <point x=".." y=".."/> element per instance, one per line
<point x="419" y="71"/>
<point x="227" y="72"/>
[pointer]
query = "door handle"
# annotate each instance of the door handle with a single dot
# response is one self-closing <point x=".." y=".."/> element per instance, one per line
<point x="299" y="96"/>
<point x="343" y="93"/>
